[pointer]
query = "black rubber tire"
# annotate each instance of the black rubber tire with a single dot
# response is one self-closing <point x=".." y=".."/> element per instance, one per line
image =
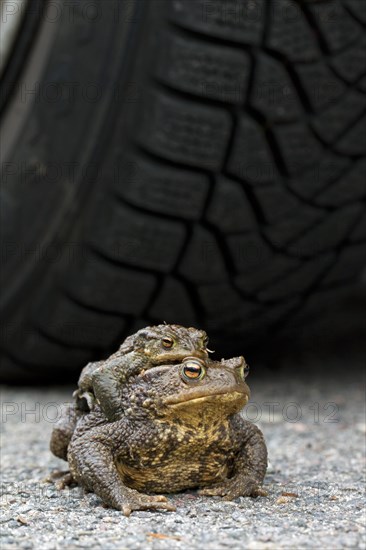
<point x="188" y="161"/>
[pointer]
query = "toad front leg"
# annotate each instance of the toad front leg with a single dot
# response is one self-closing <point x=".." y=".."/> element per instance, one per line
<point x="101" y="384"/>
<point x="250" y="465"/>
<point x="108" y="381"/>
<point x="92" y="464"/>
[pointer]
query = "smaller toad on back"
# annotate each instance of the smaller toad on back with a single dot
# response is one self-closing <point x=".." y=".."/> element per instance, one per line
<point x="149" y="347"/>
<point x="165" y="426"/>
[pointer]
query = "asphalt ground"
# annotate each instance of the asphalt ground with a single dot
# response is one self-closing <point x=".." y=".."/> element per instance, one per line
<point x="314" y="425"/>
<point x="309" y="402"/>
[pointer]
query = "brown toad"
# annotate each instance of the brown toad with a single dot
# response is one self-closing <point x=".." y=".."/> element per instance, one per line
<point x="174" y="426"/>
<point x="148" y="347"/>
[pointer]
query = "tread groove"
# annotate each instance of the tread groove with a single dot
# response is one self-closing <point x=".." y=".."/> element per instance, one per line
<point x="229" y="186"/>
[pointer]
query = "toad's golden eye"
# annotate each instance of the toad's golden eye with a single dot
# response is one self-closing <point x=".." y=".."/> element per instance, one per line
<point x="168" y="342"/>
<point x="244" y="371"/>
<point x="192" y="370"/>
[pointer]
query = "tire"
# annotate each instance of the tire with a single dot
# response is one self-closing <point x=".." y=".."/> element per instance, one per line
<point x="201" y="163"/>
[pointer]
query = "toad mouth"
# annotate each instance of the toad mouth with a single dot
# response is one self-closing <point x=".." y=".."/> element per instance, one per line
<point x="227" y="395"/>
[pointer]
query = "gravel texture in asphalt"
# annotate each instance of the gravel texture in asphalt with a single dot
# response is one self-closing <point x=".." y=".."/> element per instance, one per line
<point x="314" y="425"/>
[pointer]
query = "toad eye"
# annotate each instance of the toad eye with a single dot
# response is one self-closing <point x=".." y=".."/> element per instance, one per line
<point x="167" y="342"/>
<point x="244" y="371"/>
<point x="192" y="370"/>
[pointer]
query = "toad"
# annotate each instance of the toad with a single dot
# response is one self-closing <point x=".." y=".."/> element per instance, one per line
<point x="163" y="428"/>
